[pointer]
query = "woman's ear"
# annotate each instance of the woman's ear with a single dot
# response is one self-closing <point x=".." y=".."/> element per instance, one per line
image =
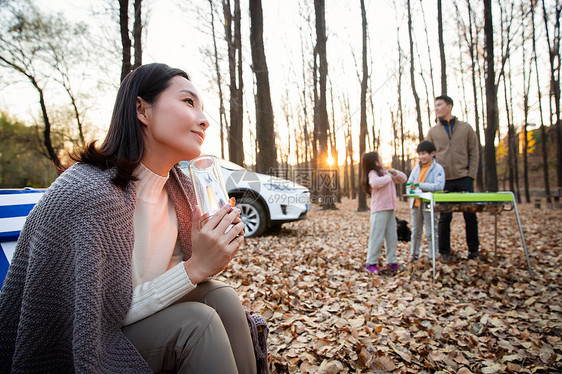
<point x="142" y="111"/>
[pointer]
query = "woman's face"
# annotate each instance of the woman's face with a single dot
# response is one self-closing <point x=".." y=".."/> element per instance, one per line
<point x="174" y="126"/>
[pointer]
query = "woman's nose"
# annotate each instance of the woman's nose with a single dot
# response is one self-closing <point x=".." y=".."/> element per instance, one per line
<point x="204" y="123"/>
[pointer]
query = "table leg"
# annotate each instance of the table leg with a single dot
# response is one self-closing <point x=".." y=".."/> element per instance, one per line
<point x="522" y="236"/>
<point x="495" y="236"/>
<point x="432" y="216"/>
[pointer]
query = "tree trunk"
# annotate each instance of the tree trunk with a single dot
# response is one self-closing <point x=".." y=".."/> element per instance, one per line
<point x="412" y="74"/>
<point x="304" y="102"/>
<point x="346" y="181"/>
<point x="125" y="38"/>
<point x="233" y="37"/>
<point x="334" y="148"/>
<point x="400" y="111"/>
<point x="429" y="54"/>
<point x="265" y="132"/>
<point x="510" y="136"/>
<point x="362" y="199"/>
<point x="441" y="48"/>
<point x="350" y="150"/>
<point x="543" y="131"/>
<point x="473" y="58"/>
<point x="526" y="88"/>
<point x="222" y="112"/>
<point x="137" y="34"/>
<point x="510" y="170"/>
<point x="47" y="130"/>
<point x="554" y="58"/>
<point x="351" y="166"/>
<point x="491" y="102"/>
<point x="321" y="113"/>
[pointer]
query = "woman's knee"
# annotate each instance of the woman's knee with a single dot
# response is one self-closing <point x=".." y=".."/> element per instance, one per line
<point x="194" y="320"/>
<point x="218" y="293"/>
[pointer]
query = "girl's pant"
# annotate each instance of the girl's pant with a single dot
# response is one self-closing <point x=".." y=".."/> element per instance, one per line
<point x="383" y="228"/>
<point x="205" y="332"/>
<point x="425" y="218"/>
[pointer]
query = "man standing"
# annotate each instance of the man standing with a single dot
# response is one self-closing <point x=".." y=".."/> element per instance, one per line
<point x="457" y="152"/>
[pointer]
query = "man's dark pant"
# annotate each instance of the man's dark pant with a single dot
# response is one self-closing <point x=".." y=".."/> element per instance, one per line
<point x="465" y="184"/>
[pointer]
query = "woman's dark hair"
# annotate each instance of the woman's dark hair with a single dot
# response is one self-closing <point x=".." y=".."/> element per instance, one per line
<point x="123" y="146"/>
<point x="426" y="146"/>
<point x="368" y="163"/>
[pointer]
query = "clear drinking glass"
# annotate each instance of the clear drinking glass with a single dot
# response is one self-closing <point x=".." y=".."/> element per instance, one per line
<point x="208" y="184"/>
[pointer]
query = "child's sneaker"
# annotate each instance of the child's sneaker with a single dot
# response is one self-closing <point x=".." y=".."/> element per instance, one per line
<point x="372" y="268"/>
<point x="392" y="267"/>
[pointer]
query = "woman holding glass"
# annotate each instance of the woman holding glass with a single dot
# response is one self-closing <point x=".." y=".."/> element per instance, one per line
<point x="111" y="269"/>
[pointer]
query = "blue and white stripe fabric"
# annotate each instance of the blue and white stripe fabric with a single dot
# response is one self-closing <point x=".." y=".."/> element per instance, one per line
<point x="15" y="205"/>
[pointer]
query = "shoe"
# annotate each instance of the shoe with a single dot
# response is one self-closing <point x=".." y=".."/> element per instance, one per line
<point x="414" y="259"/>
<point x="392" y="267"/>
<point x="446" y="258"/>
<point x="372" y="269"/>
<point x="474" y="255"/>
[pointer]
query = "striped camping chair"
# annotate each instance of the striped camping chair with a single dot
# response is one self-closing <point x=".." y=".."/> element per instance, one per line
<point x="15" y="205"/>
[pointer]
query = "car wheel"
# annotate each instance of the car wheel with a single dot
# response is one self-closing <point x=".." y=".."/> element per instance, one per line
<point x="253" y="215"/>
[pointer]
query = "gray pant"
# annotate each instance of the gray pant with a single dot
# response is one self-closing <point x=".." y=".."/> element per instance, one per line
<point x="383" y="228"/>
<point x="205" y="332"/>
<point x="416" y="239"/>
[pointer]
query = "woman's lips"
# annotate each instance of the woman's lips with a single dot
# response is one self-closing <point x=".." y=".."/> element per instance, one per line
<point x="200" y="134"/>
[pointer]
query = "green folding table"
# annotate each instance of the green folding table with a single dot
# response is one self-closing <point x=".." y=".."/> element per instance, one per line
<point x="493" y="202"/>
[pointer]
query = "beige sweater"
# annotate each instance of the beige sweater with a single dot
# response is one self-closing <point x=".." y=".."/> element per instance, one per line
<point x="159" y="277"/>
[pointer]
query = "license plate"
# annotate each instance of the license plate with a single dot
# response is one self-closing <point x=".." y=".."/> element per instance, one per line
<point x="307" y="207"/>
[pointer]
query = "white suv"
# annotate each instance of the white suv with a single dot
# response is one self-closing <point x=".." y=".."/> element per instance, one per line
<point x="265" y="201"/>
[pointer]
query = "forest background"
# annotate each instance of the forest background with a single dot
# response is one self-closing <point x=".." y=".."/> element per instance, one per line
<point x="293" y="85"/>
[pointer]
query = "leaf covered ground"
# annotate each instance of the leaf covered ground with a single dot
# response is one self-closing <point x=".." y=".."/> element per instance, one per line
<point x="326" y="314"/>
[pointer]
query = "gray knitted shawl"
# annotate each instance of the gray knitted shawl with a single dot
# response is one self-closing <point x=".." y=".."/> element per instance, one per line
<point x="69" y="285"/>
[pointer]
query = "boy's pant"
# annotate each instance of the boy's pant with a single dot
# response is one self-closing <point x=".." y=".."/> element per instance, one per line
<point x="205" y="332"/>
<point x="425" y="218"/>
<point x="383" y="228"/>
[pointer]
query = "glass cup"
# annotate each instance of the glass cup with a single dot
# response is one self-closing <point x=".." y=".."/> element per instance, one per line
<point x="210" y="190"/>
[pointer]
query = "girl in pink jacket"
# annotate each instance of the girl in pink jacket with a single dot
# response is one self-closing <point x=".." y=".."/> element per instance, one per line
<point x="379" y="183"/>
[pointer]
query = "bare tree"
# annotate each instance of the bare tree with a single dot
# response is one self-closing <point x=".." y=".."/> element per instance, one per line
<point x="412" y="74"/>
<point x="543" y="130"/>
<point x="526" y="88"/>
<point x="125" y="38"/>
<point x="38" y="46"/>
<point x="321" y="114"/>
<point x="265" y="132"/>
<point x="554" y="58"/>
<point x="223" y="123"/>
<point x="349" y="146"/>
<point x="234" y="42"/>
<point x="491" y="102"/>
<point x="362" y="199"/>
<point x="473" y="63"/>
<point x="428" y="54"/>
<point x="400" y="107"/>
<point x="508" y="96"/>
<point x="137" y="35"/>
<point x="126" y="64"/>
<point x="441" y="48"/>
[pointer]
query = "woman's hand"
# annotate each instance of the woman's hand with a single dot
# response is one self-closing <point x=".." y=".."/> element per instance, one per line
<point x="212" y="248"/>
